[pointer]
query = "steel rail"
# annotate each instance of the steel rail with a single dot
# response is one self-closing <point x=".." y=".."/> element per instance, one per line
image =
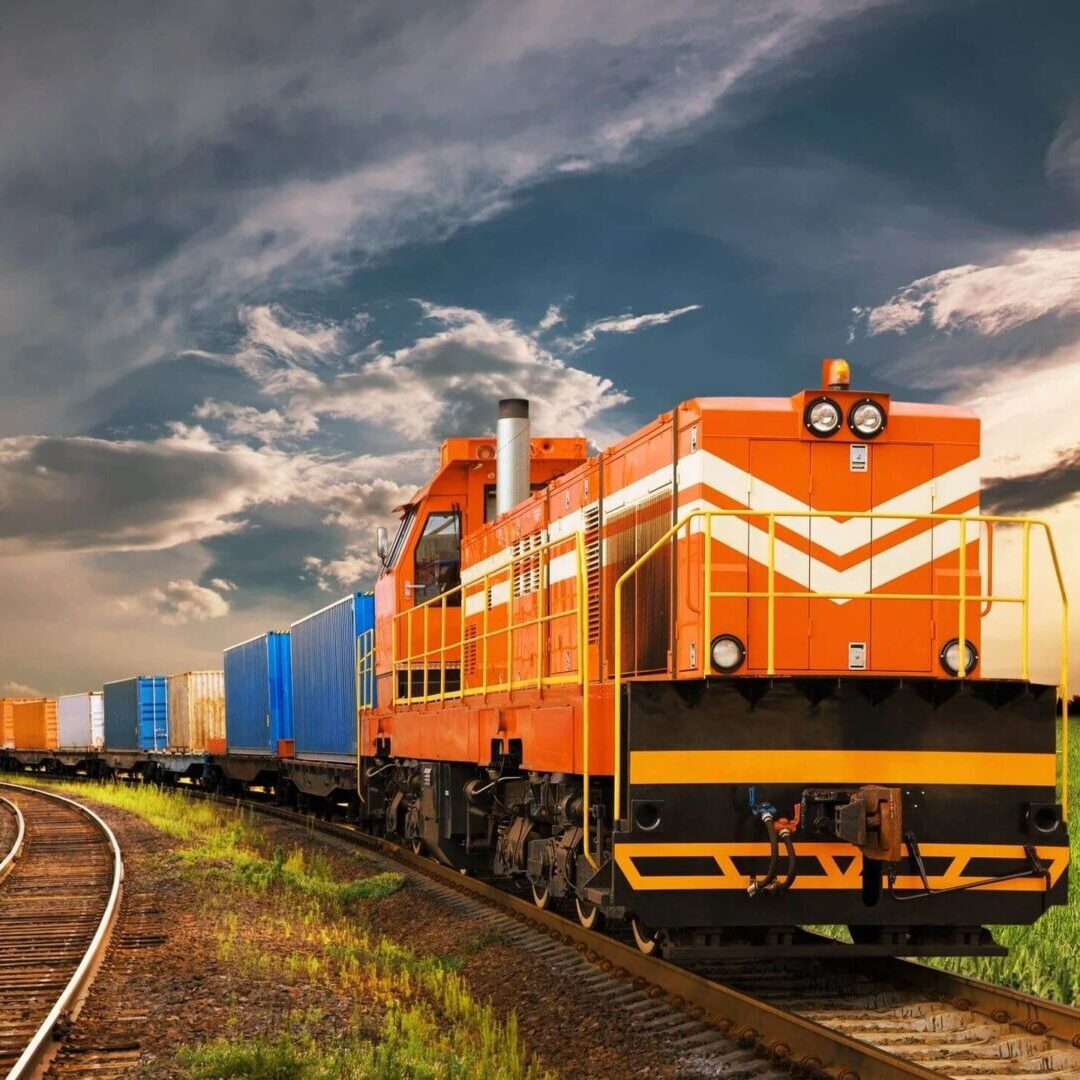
<point x="8" y="861"/>
<point x="44" y="1043"/>
<point x="773" y="1032"/>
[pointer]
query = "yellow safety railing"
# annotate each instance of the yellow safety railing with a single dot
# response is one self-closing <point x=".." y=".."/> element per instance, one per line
<point x="365" y="671"/>
<point x="772" y="594"/>
<point x="453" y="652"/>
<point x="450" y="655"/>
<point x="365" y="696"/>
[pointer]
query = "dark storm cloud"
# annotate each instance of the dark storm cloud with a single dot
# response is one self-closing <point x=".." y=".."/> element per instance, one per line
<point x="1035" y="491"/>
<point x="82" y="493"/>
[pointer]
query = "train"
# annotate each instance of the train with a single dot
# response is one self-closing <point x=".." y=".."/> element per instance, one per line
<point x="721" y="682"/>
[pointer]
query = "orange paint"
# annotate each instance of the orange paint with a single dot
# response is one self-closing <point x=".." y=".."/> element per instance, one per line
<point x="29" y="723"/>
<point x="512" y="646"/>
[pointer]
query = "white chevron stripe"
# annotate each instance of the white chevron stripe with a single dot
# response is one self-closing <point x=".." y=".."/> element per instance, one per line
<point x="838" y="537"/>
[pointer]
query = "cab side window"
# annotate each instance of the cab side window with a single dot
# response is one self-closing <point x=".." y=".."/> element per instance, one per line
<point x="437" y="561"/>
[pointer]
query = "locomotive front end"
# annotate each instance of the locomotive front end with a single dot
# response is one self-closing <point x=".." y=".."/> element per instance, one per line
<point x="823" y="744"/>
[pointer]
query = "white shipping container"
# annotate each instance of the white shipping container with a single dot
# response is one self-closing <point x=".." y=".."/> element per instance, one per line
<point x="196" y="709"/>
<point x="81" y="720"/>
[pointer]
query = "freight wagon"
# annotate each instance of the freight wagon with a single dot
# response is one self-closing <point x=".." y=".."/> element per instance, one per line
<point x="325" y="650"/>
<point x="28" y="723"/>
<point x="258" y="710"/>
<point x="196" y="710"/>
<point x="81" y="720"/>
<point x="196" y="718"/>
<point x="136" y="720"/>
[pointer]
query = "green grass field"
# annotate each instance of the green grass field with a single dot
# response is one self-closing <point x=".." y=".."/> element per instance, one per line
<point x="434" y="1028"/>
<point x="1043" y="959"/>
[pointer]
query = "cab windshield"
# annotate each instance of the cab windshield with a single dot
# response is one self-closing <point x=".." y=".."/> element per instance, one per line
<point x="404" y="528"/>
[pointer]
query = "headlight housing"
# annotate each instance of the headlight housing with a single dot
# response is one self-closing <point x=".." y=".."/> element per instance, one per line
<point x="727" y="653"/>
<point x="823" y="417"/>
<point x="867" y="419"/>
<point x="950" y="656"/>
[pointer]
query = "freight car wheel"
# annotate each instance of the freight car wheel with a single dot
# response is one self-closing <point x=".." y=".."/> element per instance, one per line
<point x="541" y="897"/>
<point x="589" y="915"/>
<point x="648" y="941"/>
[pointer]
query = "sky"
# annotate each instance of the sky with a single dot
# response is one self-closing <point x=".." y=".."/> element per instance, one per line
<point x="258" y="259"/>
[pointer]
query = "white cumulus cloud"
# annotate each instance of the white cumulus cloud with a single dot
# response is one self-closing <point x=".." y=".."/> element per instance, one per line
<point x="178" y="602"/>
<point x="1028" y="284"/>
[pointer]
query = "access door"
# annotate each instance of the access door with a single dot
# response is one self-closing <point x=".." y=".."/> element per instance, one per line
<point x="902" y="558"/>
<point x="840" y="484"/>
<point x="779" y="480"/>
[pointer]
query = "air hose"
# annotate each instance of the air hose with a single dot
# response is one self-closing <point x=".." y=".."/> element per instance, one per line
<point x="767" y="817"/>
<point x="784" y="833"/>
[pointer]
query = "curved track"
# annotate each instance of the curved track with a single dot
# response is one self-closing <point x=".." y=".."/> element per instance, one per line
<point x="851" y="1019"/>
<point x="57" y="906"/>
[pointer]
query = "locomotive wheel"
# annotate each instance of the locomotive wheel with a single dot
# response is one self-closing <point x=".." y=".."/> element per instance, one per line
<point x="589" y="915"/>
<point x="541" y="896"/>
<point x="648" y="941"/>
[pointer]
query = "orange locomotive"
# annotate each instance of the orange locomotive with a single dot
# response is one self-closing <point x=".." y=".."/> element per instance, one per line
<point x="722" y="679"/>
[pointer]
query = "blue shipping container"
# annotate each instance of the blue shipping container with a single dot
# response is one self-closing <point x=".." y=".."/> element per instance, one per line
<point x="324" y="678"/>
<point x="137" y="713"/>
<point x="258" y="694"/>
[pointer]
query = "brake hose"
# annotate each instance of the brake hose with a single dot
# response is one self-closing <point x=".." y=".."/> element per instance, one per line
<point x="756" y="886"/>
<point x="789" y="876"/>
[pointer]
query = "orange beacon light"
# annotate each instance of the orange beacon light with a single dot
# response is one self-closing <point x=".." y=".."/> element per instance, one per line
<point x="835" y="374"/>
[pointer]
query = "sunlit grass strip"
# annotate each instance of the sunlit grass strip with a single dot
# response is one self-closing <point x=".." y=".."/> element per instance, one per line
<point x="1043" y="959"/>
<point x="434" y="1027"/>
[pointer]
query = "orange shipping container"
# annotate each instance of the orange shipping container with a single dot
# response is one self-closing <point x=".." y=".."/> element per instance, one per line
<point x="196" y="709"/>
<point x="29" y="723"/>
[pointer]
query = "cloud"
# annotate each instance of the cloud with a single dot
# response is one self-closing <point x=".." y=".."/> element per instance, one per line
<point x="266" y="426"/>
<point x="277" y="348"/>
<point x="82" y="493"/>
<point x="1063" y="154"/>
<point x="179" y="602"/>
<point x="1030" y="283"/>
<point x="446" y="382"/>
<point x="1006" y="345"/>
<point x="319" y="142"/>
<point x="18" y="689"/>
<point x="627" y="324"/>
<point x="1028" y="493"/>
<point x="552" y="317"/>
<point x="358" y="566"/>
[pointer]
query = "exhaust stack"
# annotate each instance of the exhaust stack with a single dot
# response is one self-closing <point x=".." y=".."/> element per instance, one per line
<point x="512" y="450"/>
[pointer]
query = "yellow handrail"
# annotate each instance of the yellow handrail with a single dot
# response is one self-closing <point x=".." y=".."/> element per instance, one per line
<point x="482" y="586"/>
<point x="365" y="695"/>
<point x="771" y="594"/>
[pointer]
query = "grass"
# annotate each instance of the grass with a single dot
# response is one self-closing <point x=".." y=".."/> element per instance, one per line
<point x="1044" y="958"/>
<point x="310" y="930"/>
<point x="414" y="1047"/>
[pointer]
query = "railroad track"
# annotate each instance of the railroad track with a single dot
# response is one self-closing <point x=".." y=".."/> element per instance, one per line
<point x="849" y="1019"/>
<point x="59" y="895"/>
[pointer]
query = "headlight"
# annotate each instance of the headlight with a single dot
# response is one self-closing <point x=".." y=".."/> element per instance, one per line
<point x="823" y="416"/>
<point x="728" y="653"/>
<point x="867" y="419"/>
<point x="950" y="657"/>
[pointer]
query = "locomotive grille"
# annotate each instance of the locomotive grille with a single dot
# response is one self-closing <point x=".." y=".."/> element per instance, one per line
<point x="646" y="614"/>
<point x="470" y="650"/>
<point x="592" y="569"/>
<point x="527" y="564"/>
